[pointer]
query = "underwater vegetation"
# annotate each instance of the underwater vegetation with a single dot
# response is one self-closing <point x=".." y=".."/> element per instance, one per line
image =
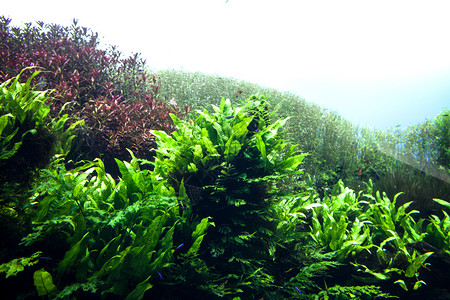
<point x="117" y="99"/>
<point x="113" y="192"/>
<point x="411" y="160"/>
<point x="28" y="141"/>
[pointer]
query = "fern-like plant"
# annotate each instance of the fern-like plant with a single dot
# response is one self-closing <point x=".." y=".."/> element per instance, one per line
<point x="229" y="161"/>
<point x="28" y="140"/>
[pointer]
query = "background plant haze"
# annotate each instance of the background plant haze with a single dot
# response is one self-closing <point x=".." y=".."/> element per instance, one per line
<point x="382" y="64"/>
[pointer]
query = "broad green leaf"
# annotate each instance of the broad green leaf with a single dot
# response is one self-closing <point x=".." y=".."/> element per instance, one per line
<point x="83" y="267"/>
<point x="153" y="232"/>
<point x="442" y="202"/>
<point x="402" y="284"/>
<point x="139" y="291"/>
<point x="416" y="264"/>
<point x="192" y="168"/>
<point x="198" y="152"/>
<point x="71" y="256"/>
<point x="418" y="284"/>
<point x="232" y="149"/>
<point x="4" y="121"/>
<point x="175" y="119"/>
<point x="167" y="241"/>
<point x="111" y="249"/>
<point x="217" y="134"/>
<point x="200" y="229"/>
<point x="225" y="107"/>
<point x="196" y="245"/>
<point x="262" y="148"/>
<point x="43" y="282"/>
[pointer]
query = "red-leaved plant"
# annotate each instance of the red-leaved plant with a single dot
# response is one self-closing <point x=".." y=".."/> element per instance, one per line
<point x="118" y="100"/>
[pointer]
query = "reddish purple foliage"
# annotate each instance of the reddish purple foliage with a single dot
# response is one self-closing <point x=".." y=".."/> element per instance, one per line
<point x="122" y="125"/>
<point x="116" y="98"/>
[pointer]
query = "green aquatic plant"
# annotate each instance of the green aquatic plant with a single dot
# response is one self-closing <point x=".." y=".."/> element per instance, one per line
<point x="119" y="100"/>
<point x="339" y="224"/>
<point x="338" y="149"/>
<point x="44" y="283"/>
<point x="24" y="126"/>
<point x="29" y="138"/>
<point x="106" y="237"/>
<point x="13" y="267"/>
<point x="442" y="131"/>
<point x="381" y="239"/>
<point x="229" y="161"/>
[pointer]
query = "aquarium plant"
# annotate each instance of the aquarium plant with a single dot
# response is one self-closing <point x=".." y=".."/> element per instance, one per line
<point x="116" y="96"/>
<point x="229" y="162"/>
<point x="381" y="239"/>
<point x="28" y="140"/>
<point x="94" y="235"/>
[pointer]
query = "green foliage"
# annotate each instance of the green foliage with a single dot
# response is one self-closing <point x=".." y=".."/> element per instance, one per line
<point x="28" y="140"/>
<point x="23" y="124"/>
<point x="442" y="134"/>
<point x="117" y="236"/>
<point x="353" y="292"/>
<point x="215" y="218"/>
<point x="43" y="282"/>
<point x="118" y="100"/>
<point x="338" y="224"/>
<point x="233" y="158"/>
<point x="438" y="230"/>
<point x="17" y="265"/>
<point x="353" y="230"/>
<point x="398" y="160"/>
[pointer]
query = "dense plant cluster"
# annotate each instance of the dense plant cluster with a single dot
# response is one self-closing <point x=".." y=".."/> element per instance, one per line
<point x="380" y="238"/>
<point x="211" y="220"/>
<point x="229" y="162"/>
<point x="225" y="211"/>
<point x="413" y="160"/>
<point x="117" y="126"/>
<point x="28" y="141"/>
<point x="99" y="236"/>
<point x="78" y="70"/>
<point x="114" y="95"/>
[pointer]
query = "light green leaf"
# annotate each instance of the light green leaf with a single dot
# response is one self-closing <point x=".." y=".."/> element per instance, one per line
<point x="402" y="284"/>
<point x="232" y="148"/>
<point x="201" y="227"/>
<point x="72" y="255"/>
<point x="442" y="202"/>
<point x="261" y="147"/>
<point x="4" y="121"/>
<point x="416" y="264"/>
<point x="43" y="282"/>
<point x="418" y="284"/>
<point x="196" y="245"/>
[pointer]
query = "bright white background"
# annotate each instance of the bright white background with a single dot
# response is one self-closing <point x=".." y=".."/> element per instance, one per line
<point x="378" y="63"/>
